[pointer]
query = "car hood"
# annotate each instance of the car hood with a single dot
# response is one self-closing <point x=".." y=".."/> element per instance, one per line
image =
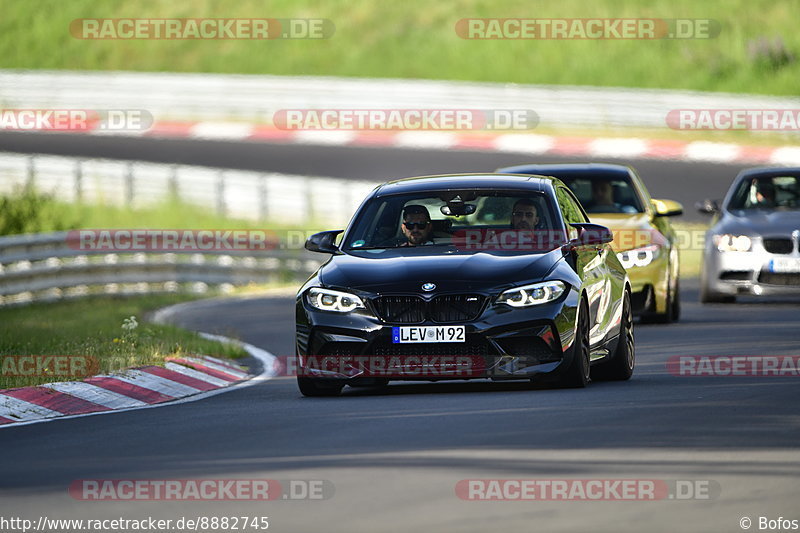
<point x="630" y="230"/>
<point x="456" y="272"/>
<point x="759" y="222"/>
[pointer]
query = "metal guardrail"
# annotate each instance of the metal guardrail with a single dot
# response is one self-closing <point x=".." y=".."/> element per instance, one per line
<point x="255" y="98"/>
<point x="43" y="267"/>
<point x="293" y="199"/>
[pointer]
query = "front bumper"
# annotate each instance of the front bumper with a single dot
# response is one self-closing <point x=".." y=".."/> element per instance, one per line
<point x="501" y="344"/>
<point x="748" y="273"/>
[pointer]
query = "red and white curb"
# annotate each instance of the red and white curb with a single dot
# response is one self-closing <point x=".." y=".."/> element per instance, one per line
<point x="524" y="143"/>
<point x="180" y="380"/>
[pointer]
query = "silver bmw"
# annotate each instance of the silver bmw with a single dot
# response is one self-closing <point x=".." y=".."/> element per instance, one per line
<point x="752" y="246"/>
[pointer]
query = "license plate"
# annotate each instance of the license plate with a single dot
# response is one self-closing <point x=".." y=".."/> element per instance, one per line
<point x="405" y="334"/>
<point x="784" y="265"/>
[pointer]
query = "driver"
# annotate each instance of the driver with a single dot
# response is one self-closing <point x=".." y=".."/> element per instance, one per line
<point x="417" y="225"/>
<point x="524" y="215"/>
<point x="603" y="198"/>
<point x="765" y="193"/>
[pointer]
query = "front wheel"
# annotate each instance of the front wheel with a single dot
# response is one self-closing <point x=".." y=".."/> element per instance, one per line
<point x="620" y="366"/>
<point x="577" y="375"/>
<point x="319" y="386"/>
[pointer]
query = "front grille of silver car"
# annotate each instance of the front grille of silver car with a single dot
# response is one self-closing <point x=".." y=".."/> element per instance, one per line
<point x="772" y="278"/>
<point x="778" y="245"/>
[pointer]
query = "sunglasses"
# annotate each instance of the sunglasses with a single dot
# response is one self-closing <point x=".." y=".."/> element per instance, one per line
<point x="526" y="214"/>
<point x="419" y="225"/>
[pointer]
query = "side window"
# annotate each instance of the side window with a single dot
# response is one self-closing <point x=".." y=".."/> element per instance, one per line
<point x="573" y="214"/>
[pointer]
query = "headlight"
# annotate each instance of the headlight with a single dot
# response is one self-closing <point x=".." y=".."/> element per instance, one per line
<point x="639" y="257"/>
<point x="328" y="300"/>
<point x="733" y="243"/>
<point x="535" y="294"/>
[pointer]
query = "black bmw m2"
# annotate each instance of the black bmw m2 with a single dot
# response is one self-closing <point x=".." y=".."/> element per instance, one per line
<point x="476" y="276"/>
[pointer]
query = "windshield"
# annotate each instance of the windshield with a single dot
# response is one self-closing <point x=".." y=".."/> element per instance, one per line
<point x="602" y="194"/>
<point x="453" y="218"/>
<point x="770" y="192"/>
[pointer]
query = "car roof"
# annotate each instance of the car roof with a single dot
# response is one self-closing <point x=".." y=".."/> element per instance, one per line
<point x="565" y="169"/>
<point x="465" y="181"/>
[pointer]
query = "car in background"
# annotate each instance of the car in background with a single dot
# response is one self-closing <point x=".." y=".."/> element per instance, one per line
<point x="644" y="240"/>
<point x="752" y="245"/>
<point x="433" y="280"/>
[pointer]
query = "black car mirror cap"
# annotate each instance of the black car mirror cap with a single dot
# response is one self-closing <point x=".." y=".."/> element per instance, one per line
<point x="592" y="235"/>
<point x="708" y="207"/>
<point x="323" y="242"/>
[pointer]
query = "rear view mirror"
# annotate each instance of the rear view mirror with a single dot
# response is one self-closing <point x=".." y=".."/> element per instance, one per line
<point x="457" y="209"/>
<point x="323" y="242"/>
<point x="667" y="208"/>
<point x="592" y="234"/>
<point x="707" y="207"/>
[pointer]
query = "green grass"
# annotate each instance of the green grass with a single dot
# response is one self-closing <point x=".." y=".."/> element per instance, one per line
<point x="24" y="211"/>
<point x="92" y="327"/>
<point x="417" y="39"/>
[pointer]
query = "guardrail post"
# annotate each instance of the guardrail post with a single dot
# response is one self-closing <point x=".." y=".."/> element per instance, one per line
<point x="263" y="210"/>
<point x="78" y="180"/>
<point x="129" y="177"/>
<point x="221" y="193"/>
<point x="30" y="178"/>
<point x="309" y="192"/>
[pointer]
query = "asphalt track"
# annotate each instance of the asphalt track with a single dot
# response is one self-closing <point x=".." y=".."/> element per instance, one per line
<point x="683" y="181"/>
<point x="395" y="457"/>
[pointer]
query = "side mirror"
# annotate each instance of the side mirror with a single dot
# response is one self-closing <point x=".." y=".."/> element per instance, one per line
<point x="592" y="235"/>
<point x="707" y="207"/>
<point x="323" y="242"/>
<point x="667" y="208"/>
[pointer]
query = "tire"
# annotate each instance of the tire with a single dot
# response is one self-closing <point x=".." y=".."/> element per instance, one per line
<point x="623" y="360"/>
<point x="578" y="373"/>
<point x="319" y="386"/>
<point x="673" y="309"/>
<point x="676" y="302"/>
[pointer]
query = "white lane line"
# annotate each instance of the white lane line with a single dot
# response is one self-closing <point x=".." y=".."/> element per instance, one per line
<point x="425" y="139"/>
<point x="16" y="409"/>
<point x="711" y="151"/>
<point x="618" y="147"/>
<point x="154" y="383"/>
<point x="196" y="374"/>
<point x="222" y="362"/>
<point x="266" y="359"/>
<point x="221" y="130"/>
<point x="94" y="394"/>
<point x="524" y="143"/>
<point x="788" y="155"/>
<point x="221" y="368"/>
<point x="324" y="137"/>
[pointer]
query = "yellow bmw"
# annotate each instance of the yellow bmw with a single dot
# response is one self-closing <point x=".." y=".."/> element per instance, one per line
<point x="614" y="196"/>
